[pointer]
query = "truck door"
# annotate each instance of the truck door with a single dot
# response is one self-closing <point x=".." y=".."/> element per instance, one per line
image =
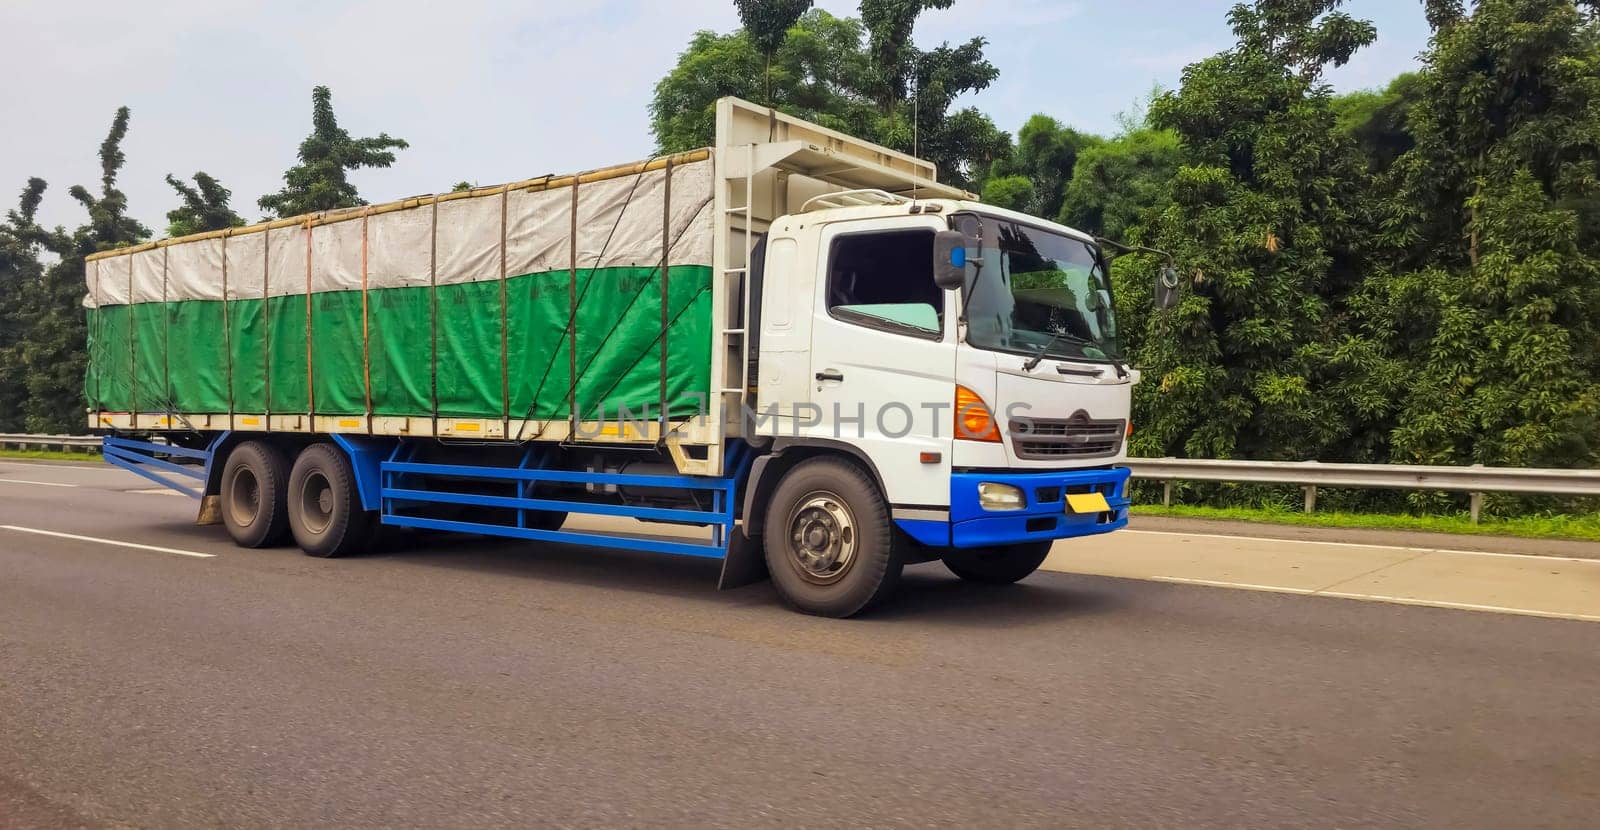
<point x="883" y="353"/>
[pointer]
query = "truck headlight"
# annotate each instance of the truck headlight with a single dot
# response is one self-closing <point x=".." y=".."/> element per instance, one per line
<point x="995" y="496"/>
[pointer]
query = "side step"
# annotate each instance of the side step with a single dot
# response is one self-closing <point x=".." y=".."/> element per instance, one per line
<point x="409" y="483"/>
<point x="143" y="458"/>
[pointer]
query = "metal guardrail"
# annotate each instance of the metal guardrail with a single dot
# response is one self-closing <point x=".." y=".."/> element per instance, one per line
<point x="1309" y="475"/>
<point x="87" y="443"/>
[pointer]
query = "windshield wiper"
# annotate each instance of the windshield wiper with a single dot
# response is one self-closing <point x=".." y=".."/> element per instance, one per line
<point x="1038" y="357"/>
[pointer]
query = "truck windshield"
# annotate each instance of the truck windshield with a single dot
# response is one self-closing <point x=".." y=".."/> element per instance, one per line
<point x="1038" y="291"/>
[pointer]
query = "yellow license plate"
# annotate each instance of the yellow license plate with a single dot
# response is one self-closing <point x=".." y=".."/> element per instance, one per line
<point x="1087" y="503"/>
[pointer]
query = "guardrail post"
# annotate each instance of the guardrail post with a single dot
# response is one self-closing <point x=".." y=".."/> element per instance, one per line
<point x="1311" y="497"/>
<point x="1166" y="493"/>
<point x="1475" y="501"/>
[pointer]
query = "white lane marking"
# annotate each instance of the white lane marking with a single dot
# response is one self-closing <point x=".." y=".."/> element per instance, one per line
<point x="1428" y="603"/>
<point x="156" y="491"/>
<point x="1362" y="545"/>
<point x="116" y="542"/>
<point x="1467" y="606"/>
<point x="35" y="483"/>
<point x="22" y="462"/>
<point x="1249" y="586"/>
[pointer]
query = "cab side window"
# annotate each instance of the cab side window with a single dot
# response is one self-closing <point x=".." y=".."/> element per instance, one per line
<point x="884" y="280"/>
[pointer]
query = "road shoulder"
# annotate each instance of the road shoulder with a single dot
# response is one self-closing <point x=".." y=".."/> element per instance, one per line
<point x="1574" y="548"/>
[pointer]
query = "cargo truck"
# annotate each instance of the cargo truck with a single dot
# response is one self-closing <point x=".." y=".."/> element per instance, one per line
<point x="798" y="341"/>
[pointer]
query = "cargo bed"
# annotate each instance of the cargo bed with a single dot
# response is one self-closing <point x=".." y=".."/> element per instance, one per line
<point x="604" y="307"/>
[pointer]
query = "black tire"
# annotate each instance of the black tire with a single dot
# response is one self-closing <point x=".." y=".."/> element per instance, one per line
<point x="851" y="561"/>
<point x="1000" y="565"/>
<point x="255" y="479"/>
<point x="547" y="519"/>
<point x="324" y="508"/>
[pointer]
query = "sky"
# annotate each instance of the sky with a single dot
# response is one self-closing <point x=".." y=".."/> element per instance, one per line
<point x="489" y="91"/>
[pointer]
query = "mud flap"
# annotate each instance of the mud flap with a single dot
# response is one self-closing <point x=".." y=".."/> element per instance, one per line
<point x="210" y="511"/>
<point x="745" y="564"/>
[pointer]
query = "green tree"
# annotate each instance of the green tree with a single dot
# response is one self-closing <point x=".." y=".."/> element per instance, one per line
<point x="320" y="181"/>
<point x="21" y="273"/>
<point x="964" y="142"/>
<point x="1013" y="192"/>
<point x="844" y="75"/>
<point x="1117" y="186"/>
<point x="1495" y="229"/>
<point x="1045" y="155"/>
<point x="766" y="25"/>
<point x="49" y="312"/>
<point x="1379" y="121"/>
<point x="812" y="75"/>
<point x="890" y="24"/>
<point x="205" y="207"/>
<point x="110" y="226"/>
<point x="1267" y="217"/>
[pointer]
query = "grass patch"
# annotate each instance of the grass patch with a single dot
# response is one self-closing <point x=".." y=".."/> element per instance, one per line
<point x="50" y="455"/>
<point x="1585" y="526"/>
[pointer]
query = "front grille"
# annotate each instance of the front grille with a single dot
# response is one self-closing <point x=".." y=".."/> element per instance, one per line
<point x="1080" y="436"/>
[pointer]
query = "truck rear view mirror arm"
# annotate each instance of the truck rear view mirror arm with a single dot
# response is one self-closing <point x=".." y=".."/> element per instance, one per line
<point x="1166" y="291"/>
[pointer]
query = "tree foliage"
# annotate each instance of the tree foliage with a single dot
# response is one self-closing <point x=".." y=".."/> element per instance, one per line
<point x="1407" y="274"/>
<point x="812" y="73"/>
<point x="766" y="25"/>
<point x="1044" y="156"/>
<point x="320" y="181"/>
<point x="1117" y="185"/>
<point x="21" y="273"/>
<point x="1493" y="240"/>
<point x="864" y="77"/>
<point x="204" y="206"/>
<point x="1404" y="274"/>
<point x="1266" y="217"/>
<point x="1379" y="120"/>
<point x="43" y="368"/>
<point x="110" y="226"/>
<point x="43" y="340"/>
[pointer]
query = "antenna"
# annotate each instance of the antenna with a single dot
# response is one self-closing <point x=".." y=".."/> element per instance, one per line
<point x="916" y="116"/>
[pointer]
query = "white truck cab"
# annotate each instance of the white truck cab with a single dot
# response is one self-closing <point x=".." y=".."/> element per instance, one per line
<point x="909" y="353"/>
<point x="979" y="407"/>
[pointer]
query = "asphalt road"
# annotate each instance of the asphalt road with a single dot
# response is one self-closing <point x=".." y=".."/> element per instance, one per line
<point x="470" y="683"/>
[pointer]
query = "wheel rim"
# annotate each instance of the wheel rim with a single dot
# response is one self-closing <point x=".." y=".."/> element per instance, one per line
<point x="822" y="537"/>
<point x="316" y="502"/>
<point x="244" y="497"/>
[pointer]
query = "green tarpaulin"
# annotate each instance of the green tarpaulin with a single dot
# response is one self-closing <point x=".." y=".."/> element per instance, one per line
<point x="440" y="308"/>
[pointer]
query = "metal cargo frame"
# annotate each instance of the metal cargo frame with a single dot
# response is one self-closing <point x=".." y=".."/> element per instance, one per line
<point x="765" y="164"/>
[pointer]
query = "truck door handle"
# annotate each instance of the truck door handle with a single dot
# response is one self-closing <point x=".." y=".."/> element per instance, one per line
<point x="830" y="374"/>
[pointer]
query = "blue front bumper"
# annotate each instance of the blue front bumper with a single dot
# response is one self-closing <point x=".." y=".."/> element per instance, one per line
<point x="1044" y="517"/>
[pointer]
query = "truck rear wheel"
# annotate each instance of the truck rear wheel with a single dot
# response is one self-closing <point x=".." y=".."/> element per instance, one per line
<point x="998" y="565"/>
<point x="324" y="508"/>
<point x="829" y="545"/>
<point x="254" y="481"/>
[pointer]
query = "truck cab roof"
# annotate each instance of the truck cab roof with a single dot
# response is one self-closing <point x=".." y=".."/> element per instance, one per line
<point x="877" y="204"/>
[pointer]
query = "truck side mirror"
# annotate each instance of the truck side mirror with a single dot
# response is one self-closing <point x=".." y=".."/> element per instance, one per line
<point x="950" y="259"/>
<point x="1167" y="288"/>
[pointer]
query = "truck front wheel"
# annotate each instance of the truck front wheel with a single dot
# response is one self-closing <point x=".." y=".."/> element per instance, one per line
<point x="829" y="544"/>
<point x="998" y="565"/>
<point x="324" y="508"/>
<point x="254" y="480"/>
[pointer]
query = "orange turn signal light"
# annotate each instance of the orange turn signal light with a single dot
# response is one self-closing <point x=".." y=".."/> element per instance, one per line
<point x="974" y="420"/>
